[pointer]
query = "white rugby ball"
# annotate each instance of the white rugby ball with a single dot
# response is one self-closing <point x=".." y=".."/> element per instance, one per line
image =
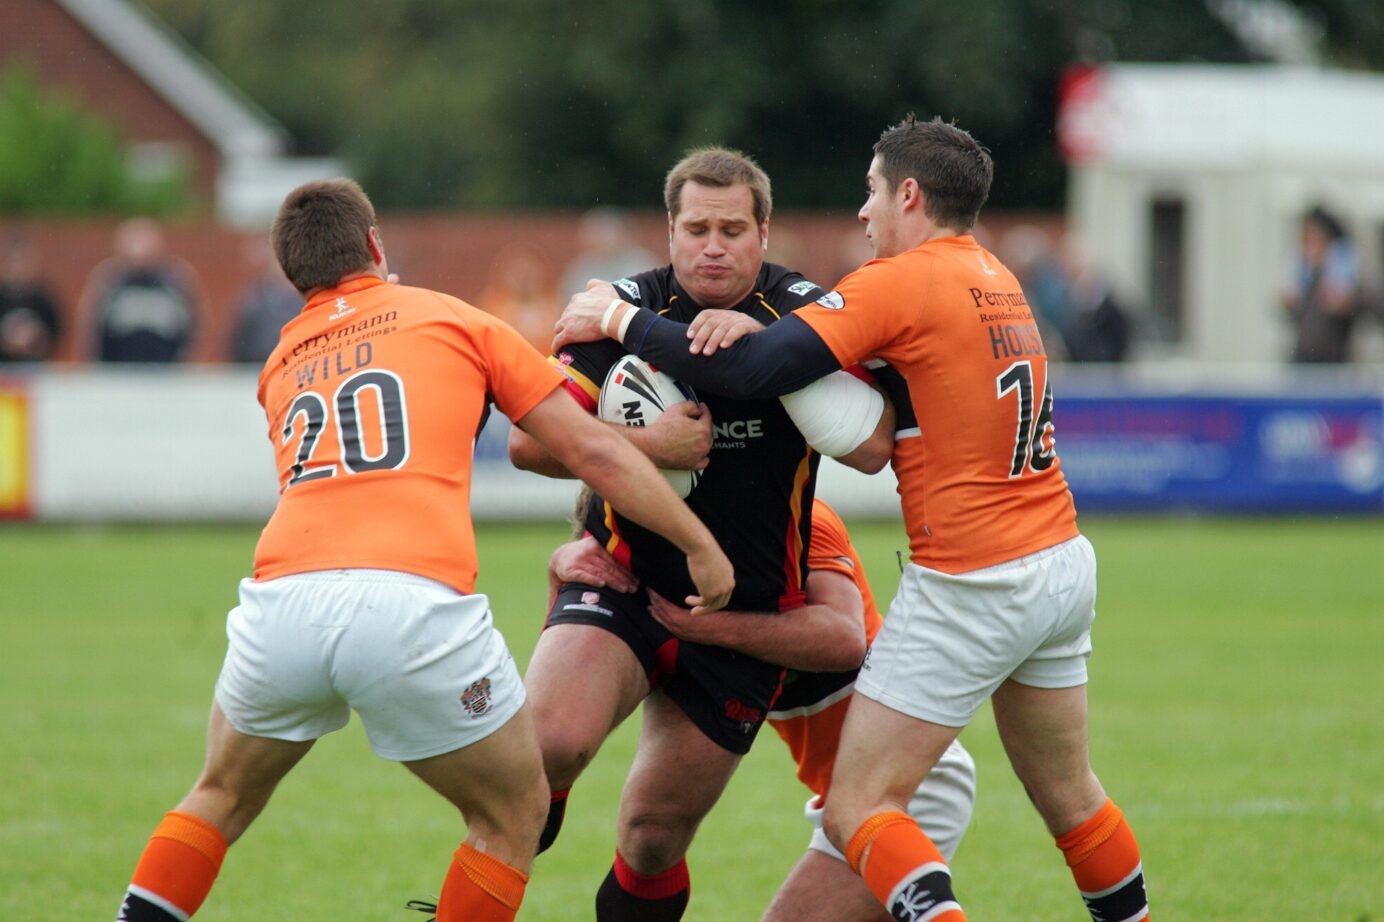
<point x="636" y="393"/>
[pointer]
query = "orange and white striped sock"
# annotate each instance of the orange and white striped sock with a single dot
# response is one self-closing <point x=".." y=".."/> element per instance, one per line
<point x="1104" y="858"/>
<point x="480" y="888"/>
<point x="904" y="869"/>
<point x="176" y="871"/>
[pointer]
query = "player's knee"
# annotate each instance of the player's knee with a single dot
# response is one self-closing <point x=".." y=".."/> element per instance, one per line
<point x="566" y="754"/>
<point x="651" y="843"/>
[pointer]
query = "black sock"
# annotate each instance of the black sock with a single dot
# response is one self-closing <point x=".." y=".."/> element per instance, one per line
<point x="628" y="896"/>
<point x="557" y="809"/>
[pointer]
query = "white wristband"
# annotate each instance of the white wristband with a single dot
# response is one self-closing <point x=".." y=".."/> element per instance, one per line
<point x="610" y="310"/>
<point x="625" y="321"/>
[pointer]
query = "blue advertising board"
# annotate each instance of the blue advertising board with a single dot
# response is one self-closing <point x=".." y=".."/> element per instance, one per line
<point x="1140" y="452"/>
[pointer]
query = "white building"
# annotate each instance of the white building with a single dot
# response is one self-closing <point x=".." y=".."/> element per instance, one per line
<point x="1188" y="184"/>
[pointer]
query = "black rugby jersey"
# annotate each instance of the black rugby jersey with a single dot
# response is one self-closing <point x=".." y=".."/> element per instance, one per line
<point x="755" y="496"/>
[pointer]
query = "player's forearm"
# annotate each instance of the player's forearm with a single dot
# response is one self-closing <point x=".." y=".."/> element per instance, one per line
<point x="783" y="358"/>
<point x="810" y="638"/>
<point x="526" y="454"/>
<point x="615" y="469"/>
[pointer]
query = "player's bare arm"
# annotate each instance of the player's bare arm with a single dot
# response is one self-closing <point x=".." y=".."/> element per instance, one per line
<point x="616" y="470"/>
<point x="824" y="635"/>
<point x="678" y="440"/>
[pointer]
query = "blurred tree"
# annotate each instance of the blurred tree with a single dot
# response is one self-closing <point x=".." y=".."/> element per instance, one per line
<point x="56" y="158"/>
<point x="545" y="103"/>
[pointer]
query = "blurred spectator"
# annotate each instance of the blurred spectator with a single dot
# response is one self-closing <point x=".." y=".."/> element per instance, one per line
<point x="1029" y="253"/>
<point x="1100" y="329"/>
<point x="141" y="304"/>
<point x="29" y="321"/>
<point x="518" y="290"/>
<point x="266" y="303"/>
<point x="608" y="251"/>
<point x="1323" y="295"/>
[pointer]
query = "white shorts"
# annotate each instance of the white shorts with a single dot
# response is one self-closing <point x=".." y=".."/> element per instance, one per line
<point x="421" y="663"/>
<point x="942" y="805"/>
<point x="950" y="640"/>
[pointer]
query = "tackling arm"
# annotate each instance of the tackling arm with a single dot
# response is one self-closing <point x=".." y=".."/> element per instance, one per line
<point x="615" y="470"/>
<point x="680" y="439"/>
<point x="825" y="635"/>
<point x="786" y="357"/>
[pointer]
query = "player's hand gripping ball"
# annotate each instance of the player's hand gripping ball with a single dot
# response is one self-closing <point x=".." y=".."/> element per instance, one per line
<point x="636" y="393"/>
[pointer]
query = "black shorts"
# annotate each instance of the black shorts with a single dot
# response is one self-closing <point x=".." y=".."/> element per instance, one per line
<point x="725" y="693"/>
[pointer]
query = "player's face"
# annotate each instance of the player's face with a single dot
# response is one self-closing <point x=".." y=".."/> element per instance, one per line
<point x="881" y="213"/>
<point x="715" y="245"/>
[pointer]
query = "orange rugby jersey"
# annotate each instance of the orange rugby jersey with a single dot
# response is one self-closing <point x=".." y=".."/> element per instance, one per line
<point x="374" y="397"/>
<point x="982" y="483"/>
<point x="812" y="707"/>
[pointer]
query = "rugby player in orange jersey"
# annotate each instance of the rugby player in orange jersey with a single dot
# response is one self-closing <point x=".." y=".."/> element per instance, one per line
<point x="362" y="596"/>
<point x="823" y="652"/>
<point x="999" y="597"/>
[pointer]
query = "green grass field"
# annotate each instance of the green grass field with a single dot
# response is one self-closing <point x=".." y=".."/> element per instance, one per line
<point x="1237" y="716"/>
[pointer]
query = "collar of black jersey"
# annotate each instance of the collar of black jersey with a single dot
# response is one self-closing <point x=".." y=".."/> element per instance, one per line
<point x="682" y="307"/>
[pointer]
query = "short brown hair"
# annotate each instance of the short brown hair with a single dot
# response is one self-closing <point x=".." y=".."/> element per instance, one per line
<point x="719" y="167"/>
<point x="952" y="168"/>
<point x="322" y="232"/>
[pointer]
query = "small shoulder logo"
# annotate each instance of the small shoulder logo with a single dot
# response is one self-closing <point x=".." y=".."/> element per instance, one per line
<point x="630" y="288"/>
<point x="803" y="287"/>
<point x="342" y="309"/>
<point x="476" y="698"/>
<point x="832" y="300"/>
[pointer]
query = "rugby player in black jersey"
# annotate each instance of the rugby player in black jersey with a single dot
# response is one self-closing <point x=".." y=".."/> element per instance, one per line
<point x="601" y="652"/>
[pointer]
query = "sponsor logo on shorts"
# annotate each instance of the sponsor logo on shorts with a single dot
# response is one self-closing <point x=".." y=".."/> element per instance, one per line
<point x="802" y="288"/>
<point x="588" y="607"/>
<point x="749" y="717"/>
<point x="476" y="699"/>
<point x="832" y="300"/>
<point x="630" y="288"/>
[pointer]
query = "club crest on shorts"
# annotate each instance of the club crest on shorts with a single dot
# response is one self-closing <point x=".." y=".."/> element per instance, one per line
<point x="476" y="699"/>
<point x="832" y="300"/>
<point x="590" y="598"/>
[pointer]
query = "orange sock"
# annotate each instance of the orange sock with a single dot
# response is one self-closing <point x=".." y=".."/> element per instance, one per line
<point x="1104" y="858"/>
<point x="904" y="870"/>
<point x="177" y="869"/>
<point x="480" y="888"/>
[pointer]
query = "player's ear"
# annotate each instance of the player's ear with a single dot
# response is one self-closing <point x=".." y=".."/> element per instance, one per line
<point x="764" y="236"/>
<point x="376" y="246"/>
<point x="910" y="193"/>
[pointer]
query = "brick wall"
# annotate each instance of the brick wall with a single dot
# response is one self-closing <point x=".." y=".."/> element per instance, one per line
<point x="451" y="253"/>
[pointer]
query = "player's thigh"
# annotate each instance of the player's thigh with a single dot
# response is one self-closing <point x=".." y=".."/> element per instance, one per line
<point x="239" y="775"/>
<point x="883" y="756"/>
<point x="582" y="682"/>
<point x="823" y="889"/>
<point x="497" y="783"/>
<point x="1044" y="732"/>
<point x="678" y="773"/>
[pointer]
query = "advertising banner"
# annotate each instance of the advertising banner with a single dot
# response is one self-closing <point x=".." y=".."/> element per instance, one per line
<point x="1311" y="454"/>
<point x="14" y="449"/>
